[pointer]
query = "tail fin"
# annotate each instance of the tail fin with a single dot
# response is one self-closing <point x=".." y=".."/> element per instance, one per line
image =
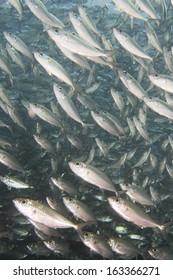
<point x="163" y="228"/>
<point x="79" y="227"/>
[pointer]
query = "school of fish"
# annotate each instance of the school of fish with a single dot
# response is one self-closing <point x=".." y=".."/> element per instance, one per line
<point x="86" y="136"/>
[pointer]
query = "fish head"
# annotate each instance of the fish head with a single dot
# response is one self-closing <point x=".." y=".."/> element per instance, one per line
<point x="118" y="33"/>
<point x="86" y="236"/>
<point x="155" y="253"/>
<point x="68" y="200"/>
<point x="40" y="57"/>
<point x="115" y="202"/>
<point x="76" y="166"/>
<point x="24" y="205"/>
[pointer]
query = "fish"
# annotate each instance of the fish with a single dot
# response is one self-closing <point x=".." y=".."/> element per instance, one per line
<point x="132" y="85"/>
<point x="45" y="114"/>
<point x="18" y="6"/>
<point x="152" y="37"/>
<point x="123" y="246"/>
<point x="13" y="182"/>
<point x="137" y="194"/>
<point x="15" y="56"/>
<point x="79" y="209"/>
<point x="161" y="253"/>
<point x="97" y="244"/>
<point x="141" y="129"/>
<point x="64" y="185"/>
<point x="44" y="143"/>
<point x="159" y="106"/>
<point x="41" y="213"/>
<point x="66" y="103"/>
<point x="10" y="161"/>
<point x="53" y="68"/>
<point x="118" y="99"/>
<point x="83" y="32"/>
<point x="40" y="11"/>
<point x="5" y="96"/>
<point x="147" y="7"/>
<point x="128" y="7"/>
<point x="164" y="82"/>
<point x="92" y="175"/>
<point x="57" y="246"/>
<point x="75" y="44"/>
<point x="130" y="45"/>
<point x="133" y="213"/>
<point x="105" y="123"/>
<point x="18" y="44"/>
<point x="88" y="21"/>
<point x="4" y="65"/>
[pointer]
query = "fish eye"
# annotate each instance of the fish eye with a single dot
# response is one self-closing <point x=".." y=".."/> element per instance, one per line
<point x="120" y="31"/>
<point x="86" y="234"/>
<point x="156" y="76"/>
<point x="9" y="33"/>
<point x="60" y="88"/>
<point x="117" y="199"/>
<point x="73" y="33"/>
<point x="56" y="30"/>
<point x="76" y="16"/>
<point x="154" y="249"/>
<point x="150" y="98"/>
<point x="77" y="163"/>
<point x="124" y="72"/>
<point x="23" y="201"/>
<point x="126" y="185"/>
<point x="41" y="54"/>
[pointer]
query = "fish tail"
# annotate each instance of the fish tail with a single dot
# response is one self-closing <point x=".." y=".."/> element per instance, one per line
<point x="79" y="227"/>
<point x="164" y="229"/>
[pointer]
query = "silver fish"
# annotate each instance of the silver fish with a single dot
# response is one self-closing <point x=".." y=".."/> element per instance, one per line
<point x="133" y="213"/>
<point x="137" y="194"/>
<point x="79" y="209"/>
<point x="53" y="68"/>
<point x="123" y="246"/>
<point x="45" y="114"/>
<point x="43" y="214"/>
<point x="159" y="106"/>
<point x="164" y="82"/>
<point x="18" y="44"/>
<point x="129" y="44"/>
<point x="10" y="161"/>
<point x="66" y="103"/>
<point x="18" y="6"/>
<point x="97" y="244"/>
<point x="92" y="175"/>
<point x="64" y="185"/>
<point x="13" y="182"/>
<point x="88" y="21"/>
<point x="132" y="85"/>
<point x="128" y="7"/>
<point x="41" y="12"/>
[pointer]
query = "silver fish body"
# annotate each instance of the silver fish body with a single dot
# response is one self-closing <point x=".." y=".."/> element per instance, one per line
<point x="41" y="213"/>
<point x="92" y="175"/>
